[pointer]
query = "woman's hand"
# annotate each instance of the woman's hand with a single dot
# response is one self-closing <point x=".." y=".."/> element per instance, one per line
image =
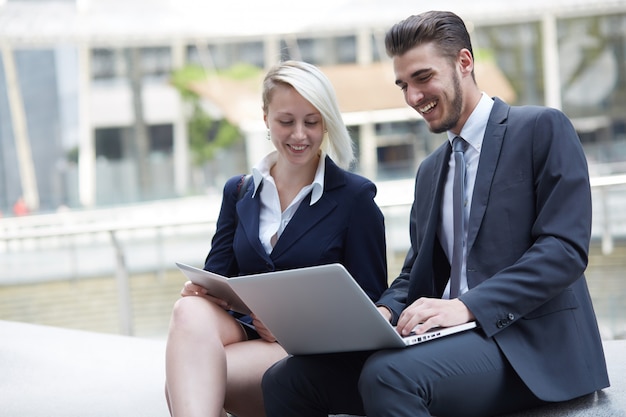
<point x="191" y="289"/>
<point x="262" y="330"/>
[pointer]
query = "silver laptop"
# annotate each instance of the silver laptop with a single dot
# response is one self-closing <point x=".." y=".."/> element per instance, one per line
<point x="321" y="309"/>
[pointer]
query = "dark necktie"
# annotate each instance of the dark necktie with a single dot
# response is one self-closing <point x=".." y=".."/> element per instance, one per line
<point x="458" y="204"/>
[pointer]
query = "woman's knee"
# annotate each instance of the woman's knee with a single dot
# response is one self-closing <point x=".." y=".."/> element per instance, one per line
<point x="195" y="315"/>
<point x="186" y="311"/>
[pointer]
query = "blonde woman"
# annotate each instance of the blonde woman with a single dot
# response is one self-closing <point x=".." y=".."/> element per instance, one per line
<point x="303" y="208"/>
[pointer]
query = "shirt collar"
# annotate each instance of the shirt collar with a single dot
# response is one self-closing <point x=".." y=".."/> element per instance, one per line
<point x="262" y="170"/>
<point x="474" y="128"/>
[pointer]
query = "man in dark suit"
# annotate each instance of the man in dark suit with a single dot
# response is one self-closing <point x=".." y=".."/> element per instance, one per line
<point x="526" y="238"/>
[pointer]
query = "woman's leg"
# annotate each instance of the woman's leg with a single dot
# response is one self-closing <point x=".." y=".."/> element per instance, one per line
<point x="246" y="364"/>
<point x="196" y="359"/>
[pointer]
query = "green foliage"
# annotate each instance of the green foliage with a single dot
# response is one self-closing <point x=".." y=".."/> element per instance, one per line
<point x="71" y="155"/>
<point x="484" y="55"/>
<point x="207" y="135"/>
<point x="183" y="78"/>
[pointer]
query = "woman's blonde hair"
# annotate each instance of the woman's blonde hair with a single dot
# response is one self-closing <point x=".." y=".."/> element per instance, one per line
<point x="314" y="86"/>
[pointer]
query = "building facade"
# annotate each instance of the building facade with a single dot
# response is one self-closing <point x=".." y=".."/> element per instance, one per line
<point x="88" y="116"/>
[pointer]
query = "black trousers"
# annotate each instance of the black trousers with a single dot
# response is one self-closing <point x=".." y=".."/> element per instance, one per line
<point x="460" y="375"/>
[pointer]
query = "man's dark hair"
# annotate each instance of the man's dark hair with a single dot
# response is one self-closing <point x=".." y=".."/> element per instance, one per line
<point x="445" y="29"/>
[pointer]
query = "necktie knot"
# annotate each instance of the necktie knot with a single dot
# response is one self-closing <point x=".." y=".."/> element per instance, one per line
<point x="459" y="144"/>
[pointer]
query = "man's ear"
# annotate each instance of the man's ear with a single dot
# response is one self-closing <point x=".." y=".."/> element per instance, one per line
<point x="466" y="62"/>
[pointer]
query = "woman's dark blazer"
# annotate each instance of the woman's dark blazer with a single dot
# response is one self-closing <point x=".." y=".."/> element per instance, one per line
<point x="344" y="226"/>
<point x="528" y="240"/>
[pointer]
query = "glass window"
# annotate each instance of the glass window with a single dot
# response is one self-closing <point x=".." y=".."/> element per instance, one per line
<point x="516" y="50"/>
<point x="395" y="161"/>
<point x="113" y="143"/>
<point x="156" y="62"/>
<point x="346" y="49"/>
<point x="161" y="138"/>
<point x="592" y="54"/>
<point x="104" y="64"/>
<point x="109" y="143"/>
<point x="378" y="46"/>
<point x="320" y="51"/>
<point x="226" y="55"/>
<point x="396" y="149"/>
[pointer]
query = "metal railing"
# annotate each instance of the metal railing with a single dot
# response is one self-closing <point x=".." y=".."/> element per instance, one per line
<point x="152" y="236"/>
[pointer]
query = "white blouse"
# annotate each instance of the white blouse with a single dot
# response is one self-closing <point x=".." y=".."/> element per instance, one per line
<point x="272" y="221"/>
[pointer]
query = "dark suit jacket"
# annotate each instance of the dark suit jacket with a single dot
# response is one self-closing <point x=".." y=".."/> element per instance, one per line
<point x="528" y="240"/>
<point x="344" y="226"/>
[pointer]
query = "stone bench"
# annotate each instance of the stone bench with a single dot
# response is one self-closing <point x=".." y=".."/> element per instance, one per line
<point x="47" y="371"/>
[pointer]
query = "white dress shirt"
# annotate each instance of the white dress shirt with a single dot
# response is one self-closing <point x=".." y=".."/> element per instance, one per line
<point x="473" y="132"/>
<point x="272" y="220"/>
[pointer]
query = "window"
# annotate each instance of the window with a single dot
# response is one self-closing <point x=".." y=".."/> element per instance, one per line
<point x="109" y="143"/>
<point x="226" y="55"/>
<point x="320" y="51"/>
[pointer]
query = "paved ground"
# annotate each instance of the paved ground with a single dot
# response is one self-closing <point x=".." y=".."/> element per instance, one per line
<point x="53" y="372"/>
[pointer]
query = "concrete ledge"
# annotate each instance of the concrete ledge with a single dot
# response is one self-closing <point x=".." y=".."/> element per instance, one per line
<point x="610" y="402"/>
<point x="48" y="371"/>
<point x="53" y="372"/>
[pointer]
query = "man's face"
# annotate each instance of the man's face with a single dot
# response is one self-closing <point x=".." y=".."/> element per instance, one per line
<point x="431" y="85"/>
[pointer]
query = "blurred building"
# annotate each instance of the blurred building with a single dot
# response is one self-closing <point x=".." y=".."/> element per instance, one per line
<point x="88" y="116"/>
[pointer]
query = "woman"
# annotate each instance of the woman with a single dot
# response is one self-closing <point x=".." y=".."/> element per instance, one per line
<point x="303" y="209"/>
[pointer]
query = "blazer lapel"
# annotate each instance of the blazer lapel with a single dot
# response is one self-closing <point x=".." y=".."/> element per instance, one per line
<point x="489" y="155"/>
<point x="307" y="216"/>
<point x="248" y="210"/>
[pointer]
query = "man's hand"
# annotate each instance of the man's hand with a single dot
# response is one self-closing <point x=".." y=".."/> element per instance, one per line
<point x="426" y="313"/>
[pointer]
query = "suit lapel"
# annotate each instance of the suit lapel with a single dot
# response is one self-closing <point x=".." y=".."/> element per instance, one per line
<point x="489" y="155"/>
<point x="421" y="285"/>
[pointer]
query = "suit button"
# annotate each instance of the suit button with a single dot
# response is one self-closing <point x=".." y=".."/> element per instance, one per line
<point x="499" y="324"/>
<point x="511" y="316"/>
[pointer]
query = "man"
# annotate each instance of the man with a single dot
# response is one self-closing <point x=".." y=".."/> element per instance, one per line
<point x="527" y="232"/>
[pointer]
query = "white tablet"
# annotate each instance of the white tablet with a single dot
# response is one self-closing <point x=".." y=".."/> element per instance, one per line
<point x="216" y="285"/>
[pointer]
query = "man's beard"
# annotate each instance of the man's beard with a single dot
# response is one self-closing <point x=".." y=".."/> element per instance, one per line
<point x="455" y="108"/>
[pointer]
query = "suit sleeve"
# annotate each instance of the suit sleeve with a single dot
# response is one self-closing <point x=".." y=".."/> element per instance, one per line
<point x="537" y="224"/>
<point x="221" y="258"/>
<point x="365" y="248"/>
<point x="396" y="296"/>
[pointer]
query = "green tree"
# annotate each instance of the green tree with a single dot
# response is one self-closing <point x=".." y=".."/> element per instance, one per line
<point x="206" y="134"/>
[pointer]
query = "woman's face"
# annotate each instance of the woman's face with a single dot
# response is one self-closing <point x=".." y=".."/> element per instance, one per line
<point x="296" y="126"/>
